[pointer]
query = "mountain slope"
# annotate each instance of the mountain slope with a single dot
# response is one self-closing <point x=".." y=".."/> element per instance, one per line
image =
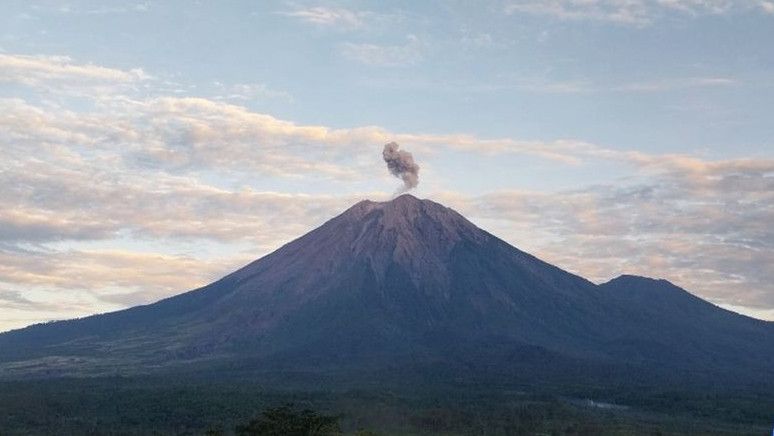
<point x="402" y="283"/>
<point x="679" y="325"/>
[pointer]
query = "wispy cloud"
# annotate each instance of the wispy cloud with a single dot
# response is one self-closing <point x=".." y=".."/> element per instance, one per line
<point x="632" y="12"/>
<point x="94" y="270"/>
<point x="126" y="7"/>
<point x="676" y="84"/>
<point x="15" y="300"/>
<point x="40" y="70"/>
<point x="337" y="17"/>
<point x="643" y="86"/>
<point x="568" y="86"/>
<point x="621" y="12"/>
<point x="249" y="92"/>
<point x="385" y="55"/>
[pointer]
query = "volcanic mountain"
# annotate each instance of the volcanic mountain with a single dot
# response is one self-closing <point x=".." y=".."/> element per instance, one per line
<point x="406" y="286"/>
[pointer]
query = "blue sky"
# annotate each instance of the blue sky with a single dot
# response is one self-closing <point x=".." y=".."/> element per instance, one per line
<point x="150" y="147"/>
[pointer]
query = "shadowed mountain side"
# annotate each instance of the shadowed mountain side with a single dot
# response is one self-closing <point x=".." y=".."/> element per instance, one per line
<point x="403" y="284"/>
<point x="665" y="322"/>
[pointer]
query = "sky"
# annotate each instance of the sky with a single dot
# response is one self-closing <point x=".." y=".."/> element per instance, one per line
<point x="148" y="148"/>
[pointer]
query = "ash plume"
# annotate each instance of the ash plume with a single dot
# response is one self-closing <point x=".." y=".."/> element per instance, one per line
<point x="401" y="164"/>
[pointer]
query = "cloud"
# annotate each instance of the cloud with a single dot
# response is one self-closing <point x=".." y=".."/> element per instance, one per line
<point x="569" y="86"/>
<point x="127" y="7"/>
<point x="101" y="270"/>
<point x="181" y="135"/>
<point x="677" y="83"/>
<point x="15" y="300"/>
<point x="329" y="16"/>
<point x="54" y="205"/>
<point x="632" y="12"/>
<point x="385" y="55"/>
<point x="176" y="135"/>
<point x="63" y="74"/>
<point x="250" y="91"/>
<point x="71" y="283"/>
<point x="186" y="135"/>
<point x="620" y="12"/>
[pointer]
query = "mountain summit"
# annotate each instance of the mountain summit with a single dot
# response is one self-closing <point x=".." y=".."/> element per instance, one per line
<point x="396" y="286"/>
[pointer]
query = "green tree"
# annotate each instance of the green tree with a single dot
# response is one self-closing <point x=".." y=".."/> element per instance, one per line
<point x="287" y="421"/>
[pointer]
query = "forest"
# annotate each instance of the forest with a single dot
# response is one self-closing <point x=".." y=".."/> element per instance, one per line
<point x="141" y="406"/>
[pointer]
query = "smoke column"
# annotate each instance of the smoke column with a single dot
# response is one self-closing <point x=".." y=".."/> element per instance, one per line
<point x="401" y="164"/>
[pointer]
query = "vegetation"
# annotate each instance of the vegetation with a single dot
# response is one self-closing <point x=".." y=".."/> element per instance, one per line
<point x="286" y="421"/>
<point x="136" y="406"/>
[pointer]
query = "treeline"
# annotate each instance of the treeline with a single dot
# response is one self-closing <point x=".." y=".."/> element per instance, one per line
<point x="287" y="420"/>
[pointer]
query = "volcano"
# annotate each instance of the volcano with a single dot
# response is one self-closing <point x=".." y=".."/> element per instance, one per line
<point x="406" y="287"/>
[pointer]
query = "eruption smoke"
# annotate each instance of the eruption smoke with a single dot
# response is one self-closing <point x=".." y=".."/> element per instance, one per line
<point x="401" y="164"/>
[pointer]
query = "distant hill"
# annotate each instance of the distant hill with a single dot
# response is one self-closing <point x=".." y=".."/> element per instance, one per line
<point x="401" y="289"/>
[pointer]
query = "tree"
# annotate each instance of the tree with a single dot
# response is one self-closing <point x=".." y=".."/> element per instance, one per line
<point x="287" y="421"/>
